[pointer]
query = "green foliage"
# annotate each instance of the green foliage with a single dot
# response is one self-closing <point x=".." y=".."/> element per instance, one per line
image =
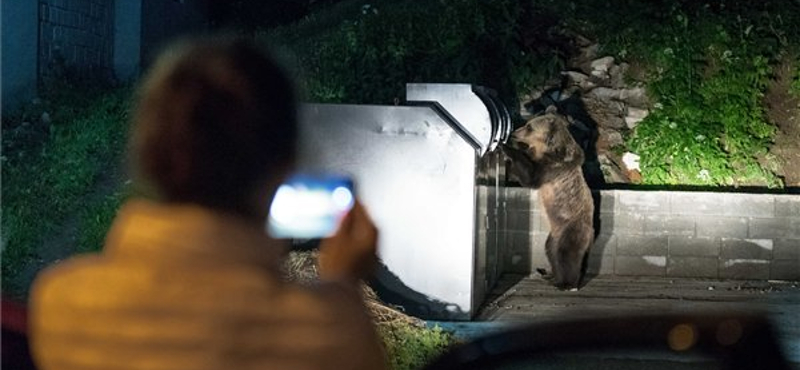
<point x="371" y="51"/>
<point x="410" y="347"/>
<point x="51" y="169"/>
<point x="710" y="129"/>
<point x="707" y="64"/>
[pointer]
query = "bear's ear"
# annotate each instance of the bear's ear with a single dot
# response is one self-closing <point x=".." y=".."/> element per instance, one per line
<point x="551" y="109"/>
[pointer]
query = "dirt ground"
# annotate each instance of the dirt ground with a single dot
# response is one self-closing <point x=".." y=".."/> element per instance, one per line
<point x="783" y="111"/>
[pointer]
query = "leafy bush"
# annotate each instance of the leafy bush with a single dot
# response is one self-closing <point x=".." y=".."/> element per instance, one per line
<point x="710" y="128"/>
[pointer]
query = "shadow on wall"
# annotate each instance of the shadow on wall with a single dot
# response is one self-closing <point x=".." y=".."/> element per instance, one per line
<point x="519" y="227"/>
<point x="595" y="262"/>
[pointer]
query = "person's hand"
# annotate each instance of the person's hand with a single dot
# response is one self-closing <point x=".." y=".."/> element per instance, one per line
<point x="350" y="254"/>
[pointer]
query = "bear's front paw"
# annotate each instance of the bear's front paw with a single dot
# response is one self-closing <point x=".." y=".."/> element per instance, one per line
<point x="544" y="274"/>
<point x="566" y="287"/>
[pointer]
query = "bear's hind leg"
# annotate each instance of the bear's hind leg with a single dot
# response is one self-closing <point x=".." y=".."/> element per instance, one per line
<point x="566" y="252"/>
<point x="559" y="269"/>
<point x="551" y="250"/>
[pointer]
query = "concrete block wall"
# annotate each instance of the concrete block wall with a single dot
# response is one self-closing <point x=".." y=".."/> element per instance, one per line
<point x="77" y="35"/>
<point x="669" y="233"/>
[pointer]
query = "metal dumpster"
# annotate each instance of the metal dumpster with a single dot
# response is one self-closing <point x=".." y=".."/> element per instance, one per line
<point x="428" y="173"/>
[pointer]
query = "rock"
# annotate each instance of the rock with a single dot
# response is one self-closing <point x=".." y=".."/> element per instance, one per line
<point x="537" y="92"/>
<point x="602" y="64"/>
<point x="578" y="79"/>
<point x="543" y="99"/>
<point x="599" y="74"/>
<point x="634" y="116"/>
<point x="636" y="96"/>
<point x="604" y="112"/>
<point x="634" y="176"/>
<point x="617" y="75"/>
<point x="611" y="171"/>
<point x="631" y="161"/>
<point x="607" y="94"/>
<point x="586" y="54"/>
<point x="611" y="138"/>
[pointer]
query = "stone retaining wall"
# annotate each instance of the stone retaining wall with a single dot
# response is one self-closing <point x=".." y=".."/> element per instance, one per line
<point x="667" y="233"/>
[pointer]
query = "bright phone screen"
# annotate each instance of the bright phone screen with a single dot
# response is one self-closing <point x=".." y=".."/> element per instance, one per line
<point x="310" y="206"/>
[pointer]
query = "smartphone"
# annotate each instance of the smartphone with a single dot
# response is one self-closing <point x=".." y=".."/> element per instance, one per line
<point x="310" y="206"/>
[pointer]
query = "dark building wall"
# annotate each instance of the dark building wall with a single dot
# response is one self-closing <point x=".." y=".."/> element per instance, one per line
<point x="19" y="35"/>
<point x="127" y="39"/>
<point x="76" y="38"/>
<point x="46" y="40"/>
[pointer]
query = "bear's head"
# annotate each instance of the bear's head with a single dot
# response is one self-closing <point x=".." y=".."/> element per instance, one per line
<point x="546" y="138"/>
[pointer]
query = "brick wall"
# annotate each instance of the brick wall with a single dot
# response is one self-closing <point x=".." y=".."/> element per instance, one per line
<point x="76" y="36"/>
<point x="662" y="233"/>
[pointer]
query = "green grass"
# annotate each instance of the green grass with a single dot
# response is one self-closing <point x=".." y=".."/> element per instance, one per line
<point x="51" y="171"/>
<point x="96" y="219"/>
<point x="410" y="347"/>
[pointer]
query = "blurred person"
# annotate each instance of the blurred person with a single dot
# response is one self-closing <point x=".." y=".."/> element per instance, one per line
<point x="188" y="278"/>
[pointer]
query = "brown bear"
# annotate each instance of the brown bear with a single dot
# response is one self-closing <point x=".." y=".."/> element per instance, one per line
<point x="544" y="156"/>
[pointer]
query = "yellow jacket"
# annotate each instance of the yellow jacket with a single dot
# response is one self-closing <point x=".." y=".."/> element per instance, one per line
<point x="182" y="287"/>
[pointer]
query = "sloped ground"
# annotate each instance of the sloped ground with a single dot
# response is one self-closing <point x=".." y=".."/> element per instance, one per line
<point x="783" y="111"/>
<point x="301" y="268"/>
<point x="409" y="343"/>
